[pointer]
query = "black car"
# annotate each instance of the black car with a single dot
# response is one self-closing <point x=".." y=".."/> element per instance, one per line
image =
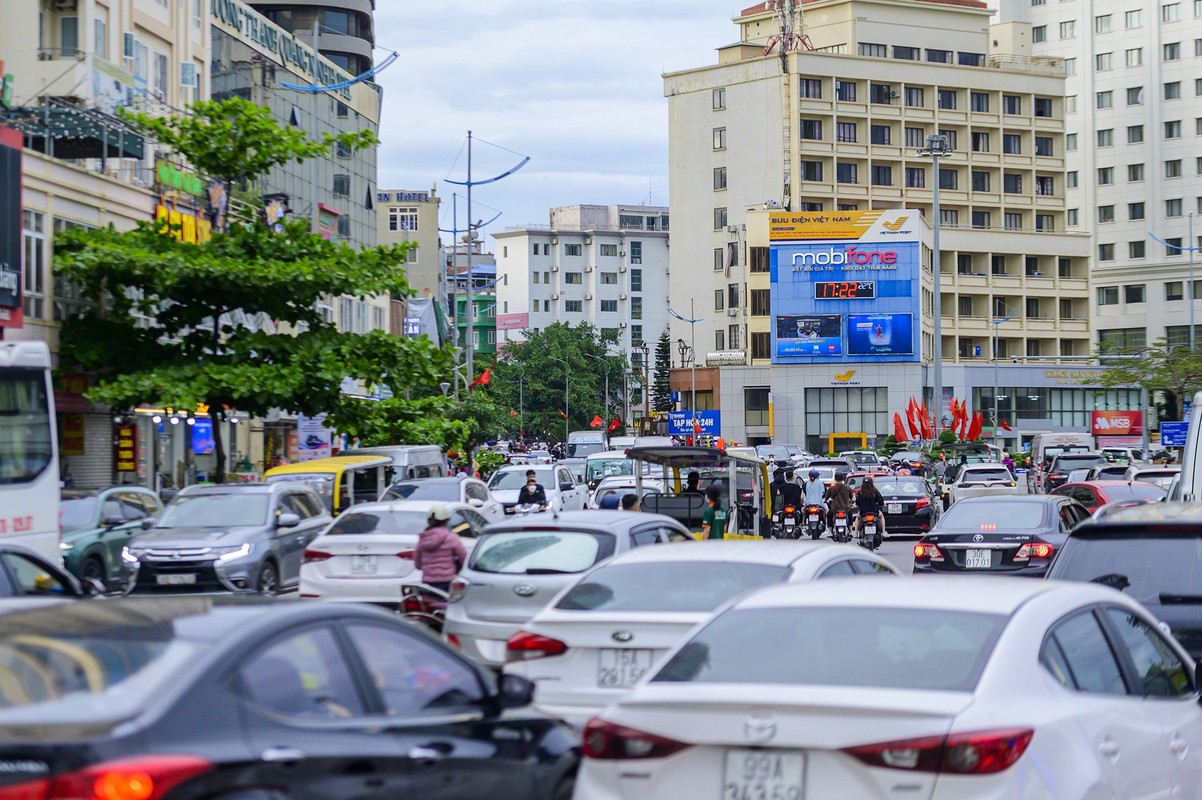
<point x="181" y="698"/>
<point x="1006" y="535"/>
<point x="24" y="573"/>
<point x="909" y="505"/>
<point x="1150" y="552"/>
<point x="1063" y="465"/>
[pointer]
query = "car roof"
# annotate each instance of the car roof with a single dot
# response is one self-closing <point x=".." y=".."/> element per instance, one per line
<point x="404" y="505"/>
<point x="436" y="480"/>
<point x="238" y="488"/>
<point x="524" y="467"/>
<point x="80" y="494"/>
<point x="775" y="551"/>
<point x="992" y="594"/>
<point x="597" y="519"/>
<point x="329" y="465"/>
<point x="1186" y="515"/>
<point x="1105" y="484"/>
<point x="1045" y="499"/>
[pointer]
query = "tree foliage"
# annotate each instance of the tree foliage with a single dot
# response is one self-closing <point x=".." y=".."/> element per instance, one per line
<point x="1174" y="370"/>
<point x="661" y="384"/>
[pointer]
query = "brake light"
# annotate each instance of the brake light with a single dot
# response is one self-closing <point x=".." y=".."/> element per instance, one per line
<point x="1034" y="550"/>
<point x="458" y="587"/>
<point x="840" y="515"/>
<point x="408" y="555"/>
<point x="606" y="741"/>
<point x="145" y="778"/>
<point x="412" y="604"/>
<point x="983" y="753"/>
<point x="988" y="527"/>
<point x="789" y="509"/>
<point x="1053" y="476"/>
<point x="524" y="646"/>
<point x="922" y="502"/>
<point x="927" y="550"/>
<point x="312" y="556"/>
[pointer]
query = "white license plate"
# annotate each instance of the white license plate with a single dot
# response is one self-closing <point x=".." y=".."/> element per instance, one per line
<point x="364" y="565"/>
<point x="185" y="579"/>
<point x="768" y="774"/>
<point x="893" y="508"/>
<point x="622" y="667"/>
<point x="790" y="522"/>
<point x="813" y="517"/>
<point x="978" y="559"/>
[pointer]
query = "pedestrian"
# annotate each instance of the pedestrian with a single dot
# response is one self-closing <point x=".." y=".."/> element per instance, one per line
<point x="713" y="521"/>
<point x="440" y="553"/>
<point x="630" y="502"/>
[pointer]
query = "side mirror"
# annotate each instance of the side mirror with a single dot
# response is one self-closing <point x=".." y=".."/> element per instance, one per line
<point x="112" y="522"/>
<point x="148" y="523"/>
<point x="476" y="502"/>
<point x="94" y="587"/>
<point x="514" y="691"/>
<point x="287" y="521"/>
<point x="566" y="487"/>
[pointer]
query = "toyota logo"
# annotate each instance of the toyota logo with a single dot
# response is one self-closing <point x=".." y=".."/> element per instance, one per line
<point x="525" y="590"/>
<point x="978" y="538"/>
<point x="622" y="636"/>
<point x="760" y="728"/>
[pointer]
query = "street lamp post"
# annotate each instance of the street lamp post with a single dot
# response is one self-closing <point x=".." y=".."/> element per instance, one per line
<point x="567" y="413"/>
<point x="997" y="325"/>
<point x="937" y="147"/>
<point x="604" y="361"/>
<point x="644" y="349"/>
<point x="692" y="320"/>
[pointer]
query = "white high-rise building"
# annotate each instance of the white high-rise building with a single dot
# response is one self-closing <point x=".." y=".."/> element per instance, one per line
<point x="1133" y="112"/>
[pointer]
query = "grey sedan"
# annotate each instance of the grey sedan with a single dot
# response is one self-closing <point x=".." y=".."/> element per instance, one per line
<point x="233" y="538"/>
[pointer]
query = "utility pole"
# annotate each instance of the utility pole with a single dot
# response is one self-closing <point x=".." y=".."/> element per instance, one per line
<point x="470" y="312"/>
<point x="937" y="146"/>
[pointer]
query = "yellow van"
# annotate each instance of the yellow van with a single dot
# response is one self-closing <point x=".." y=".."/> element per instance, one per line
<point x="342" y="481"/>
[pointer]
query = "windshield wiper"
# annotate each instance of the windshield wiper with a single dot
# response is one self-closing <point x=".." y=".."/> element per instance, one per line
<point x="1177" y="599"/>
<point x="548" y="571"/>
<point x="1114" y="580"/>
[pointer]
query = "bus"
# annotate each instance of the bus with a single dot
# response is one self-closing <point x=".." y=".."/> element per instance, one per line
<point x="29" y="474"/>
<point x="581" y="444"/>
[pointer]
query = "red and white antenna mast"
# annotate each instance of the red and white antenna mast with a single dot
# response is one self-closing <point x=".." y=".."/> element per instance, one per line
<point x="792" y="20"/>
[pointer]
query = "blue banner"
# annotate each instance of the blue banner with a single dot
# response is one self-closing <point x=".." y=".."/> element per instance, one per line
<point x="680" y="423"/>
<point x="1173" y="434"/>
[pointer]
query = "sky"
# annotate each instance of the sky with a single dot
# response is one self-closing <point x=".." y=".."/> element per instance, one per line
<point x="575" y="85"/>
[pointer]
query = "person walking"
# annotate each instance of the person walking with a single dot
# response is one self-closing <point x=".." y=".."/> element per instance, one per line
<point x="440" y="553"/>
<point x="713" y="521"/>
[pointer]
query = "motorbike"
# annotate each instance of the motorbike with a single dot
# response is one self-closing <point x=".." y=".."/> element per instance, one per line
<point x="842" y="526"/>
<point x="815" y="521"/>
<point x="423" y="605"/>
<point x="526" y="509"/>
<point x="870" y="532"/>
<point x="787" y="522"/>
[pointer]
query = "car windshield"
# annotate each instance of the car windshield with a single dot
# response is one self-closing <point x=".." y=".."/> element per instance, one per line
<point x="582" y="449"/>
<point x="229" y="509"/>
<point x="516" y="479"/>
<point x="671" y="586"/>
<point x="1010" y="514"/>
<point x="1135" y="491"/>
<point x="1066" y="463"/>
<point x="904" y="488"/>
<point x="864" y="458"/>
<point x="879" y="648"/>
<point x="441" y="491"/>
<point x="599" y="468"/>
<point x="77" y="513"/>
<point x="1151" y="568"/>
<point x="779" y="452"/>
<point x="534" y="552"/>
<point x="999" y="474"/>
<point x="408" y="521"/>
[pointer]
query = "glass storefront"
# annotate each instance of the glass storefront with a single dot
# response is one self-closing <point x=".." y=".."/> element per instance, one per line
<point x="849" y="409"/>
<point x="1062" y="408"/>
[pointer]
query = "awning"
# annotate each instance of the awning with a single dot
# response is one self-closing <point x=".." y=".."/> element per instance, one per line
<point x="72" y="133"/>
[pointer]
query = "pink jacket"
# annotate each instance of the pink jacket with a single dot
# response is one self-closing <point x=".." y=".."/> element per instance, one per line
<point x="440" y="554"/>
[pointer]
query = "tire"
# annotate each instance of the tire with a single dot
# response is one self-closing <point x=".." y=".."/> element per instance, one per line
<point x="268" y="582"/>
<point x="565" y="789"/>
<point x="93" y="568"/>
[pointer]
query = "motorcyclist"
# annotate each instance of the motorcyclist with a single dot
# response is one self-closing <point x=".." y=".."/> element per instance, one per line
<point x="869" y="500"/>
<point x="440" y="553"/>
<point x="778" y="482"/>
<point x="533" y="493"/>
<point x="815" y="491"/>
<point x="790" y="492"/>
<point x="839" y="496"/>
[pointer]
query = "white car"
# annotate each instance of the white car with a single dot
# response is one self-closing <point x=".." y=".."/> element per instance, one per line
<point x="623" y="485"/>
<point x="367" y="554"/>
<point x="978" y="480"/>
<point x="471" y="491"/>
<point x="563" y="493"/>
<point x="617" y="620"/>
<point x="1160" y="474"/>
<point x="942" y="690"/>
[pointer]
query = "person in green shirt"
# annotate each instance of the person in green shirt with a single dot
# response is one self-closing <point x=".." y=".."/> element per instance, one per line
<point x="713" y="521"/>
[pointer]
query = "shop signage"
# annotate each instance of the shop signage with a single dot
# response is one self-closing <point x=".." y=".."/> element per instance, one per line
<point x="1116" y="423"/>
<point x="74" y="427"/>
<point x="312" y="437"/>
<point x="680" y="423"/>
<point x="126" y="444"/>
<point x="7" y="82"/>
<point x="171" y="177"/>
<point x="191" y="227"/>
<point x="10" y="229"/>
<point x="513" y="322"/>
<point x="402" y="197"/>
<point x="1070" y="377"/>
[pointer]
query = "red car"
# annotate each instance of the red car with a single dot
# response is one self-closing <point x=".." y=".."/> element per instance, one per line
<point x="1093" y="494"/>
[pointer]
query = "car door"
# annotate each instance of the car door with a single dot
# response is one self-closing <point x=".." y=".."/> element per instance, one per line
<point x="1122" y="739"/>
<point x="474" y="490"/>
<point x="135" y="507"/>
<point x="645" y="535"/>
<point x="307" y="718"/>
<point x="32" y="577"/>
<point x="291" y="542"/>
<point x="1160" y="677"/>
<point x="439" y="715"/>
<point x="572" y="498"/>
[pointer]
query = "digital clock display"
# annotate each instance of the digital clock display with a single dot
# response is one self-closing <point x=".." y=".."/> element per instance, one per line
<point x="845" y="290"/>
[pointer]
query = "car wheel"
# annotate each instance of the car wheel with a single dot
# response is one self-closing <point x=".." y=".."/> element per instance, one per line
<point x="565" y="789"/>
<point x="268" y="583"/>
<point x="93" y="569"/>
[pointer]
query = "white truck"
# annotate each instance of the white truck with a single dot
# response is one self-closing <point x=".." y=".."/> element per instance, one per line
<point x="978" y="480"/>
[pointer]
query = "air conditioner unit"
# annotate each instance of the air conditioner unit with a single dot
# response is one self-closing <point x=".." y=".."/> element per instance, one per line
<point x="554" y="295"/>
<point x="622" y="268"/>
<point x="622" y="296"/>
<point x="554" y="240"/>
<point x="895" y="94"/>
<point x="622" y="324"/>
<point x="732" y="228"/>
<point x="64" y="5"/>
<point x="732" y="312"/>
<point x="588" y="297"/>
<point x="588" y="240"/>
<point x="555" y="268"/>
<point x="588" y="269"/>
<point x="622" y="253"/>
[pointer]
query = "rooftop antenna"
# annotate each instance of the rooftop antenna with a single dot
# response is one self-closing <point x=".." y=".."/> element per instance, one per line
<point x="791" y="19"/>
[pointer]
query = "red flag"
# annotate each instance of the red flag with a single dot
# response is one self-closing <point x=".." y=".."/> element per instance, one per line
<point x="1004" y="426"/>
<point x="899" y="432"/>
<point x="910" y="420"/>
<point x="484" y="379"/>
<point x="614" y="425"/>
<point x="925" y="422"/>
<point x="512" y="413"/>
<point x="562" y="413"/>
<point x="597" y="421"/>
<point x="974" y="429"/>
<point x="696" y="427"/>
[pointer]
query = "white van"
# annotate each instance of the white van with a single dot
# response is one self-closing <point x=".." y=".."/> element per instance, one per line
<point x="1046" y="446"/>
<point x="582" y="444"/>
<point x="408" y="460"/>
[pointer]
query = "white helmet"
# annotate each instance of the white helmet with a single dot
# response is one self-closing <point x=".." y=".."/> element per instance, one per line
<point x="440" y="512"/>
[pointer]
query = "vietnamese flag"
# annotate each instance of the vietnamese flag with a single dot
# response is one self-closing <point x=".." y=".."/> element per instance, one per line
<point x="1002" y="424"/>
<point x="484" y="379"/>
<point x="614" y="425"/>
<point x="925" y="423"/>
<point x="562" y="413"/>
<point x="974" y="430"/>
<point x="597" y="421"/>
<point x="910" y="420"/>
<point x="899" y="433"/>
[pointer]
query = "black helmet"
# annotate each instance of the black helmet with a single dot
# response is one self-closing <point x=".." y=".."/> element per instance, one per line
<point x="840" y="476"/>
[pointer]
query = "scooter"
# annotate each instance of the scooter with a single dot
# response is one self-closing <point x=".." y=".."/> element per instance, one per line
<point x="842" y="523"/>
<point x="423" y="605"/>
<point x="870" y="533"/>
<point x="787" y="521"/>
<point x="815" y="521"/>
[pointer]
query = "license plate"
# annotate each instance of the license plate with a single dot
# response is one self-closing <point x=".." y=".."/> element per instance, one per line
<point x="622" y="667"/>
<point x="978" y="559"/>
<point x="754" y="774"/>
<point x="790" y="522"/>
<point x="185" y="579"/>
<point x="813" y="517"/>
<point x="893" y="508"/>
<point x="364" y="565"/>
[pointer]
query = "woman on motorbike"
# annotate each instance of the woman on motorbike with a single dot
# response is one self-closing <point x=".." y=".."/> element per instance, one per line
<point x="869" y="500"/>
<point x="440" y="553"/>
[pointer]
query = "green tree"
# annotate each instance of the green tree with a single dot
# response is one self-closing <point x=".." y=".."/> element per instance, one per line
<point x="1174" y="370"/>
<point x="661" y="384"/>
<point x="192" y="351"/>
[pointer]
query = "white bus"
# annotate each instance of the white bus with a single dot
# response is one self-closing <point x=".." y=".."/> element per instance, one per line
<point x="29" y="476"/>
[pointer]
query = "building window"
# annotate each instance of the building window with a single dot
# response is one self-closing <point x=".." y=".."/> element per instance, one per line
<point x="1106" y="213"/>
<point x="978" y="101"/>
<point x="1106" y="137"/>
<point x="811" y="170"/>
<point x="980" y="181"/>
<point x="1135" y="134"/>
<point x="949" y="218"/>
<point x="759" y="260"/>
<point x="719" y="178"/>
<point x="1104" y="62"/>
<point x="1012" y="143"/>
<point x="1135" y="96"/>
<point x="344" y="230"/>
<point x="1106" y="252"/>
<point x="636" y="280"/>
<point x="1070" y="142"/>
<point x="574" y="278"/>
<point x="980" y="219"/>
<point x="916" y="137"/>
<point x="1070" y="179"/>
<point x="915" y="97"/>
<point x="947" y="99"/>
<point x="1170" y="12"/>
<point x="1070" y="66"/>
<point x="1134" y="19"/>
<point x="881" y="134"/>
<point x="1172" y="51"/>
<point x="403" y="218"/>
<point x="1172" y="208"/>
<point x="1012" y="104"/>
<point x="1039" y="34"/>
<point x="1135" y="57"/>
<point x="846" y="173"/>
<point x="1172" y="168"/>
<point x="573" y="250"/>
<point x="761" y="302"/>
<point x="1101" y="24"/>
<point x="1044" y="186"/>
<point x="755" y="405"/>
<point x="609" y="279"/>
<point x="1012" y="183"/>
<point x="1043" y="145"/>
<point x="719" y="300"/>
<point x="1135" y="211"/>
<point x="980" y="142"/>
<point x="1135" y="172"/>
<point x="916" y="177"/>
<point x="636" y="307"/>
<point x="1172" y="246"/>
<point x="882" y="175"/>
<point x="1044" y="222"/>
<point x="719" y="218"/>
<point x="636" y="252"/>
<point x="1012" y="221"/>
<point x="1105" y="99"/>
<point x="1108" y="295"/>
<point x="573" y="306"/>
<point x="761" y="345"/>
<point x="1071" y="217"/>
<point x="719" y="99"/>
<point x="845" y="91"/>
<point x="609" y="305"/>
<point x="880" y="93"/>
<point x="1174" y="290"/>
<point x="609" y="250"/>
<point x="939" y="56"/>
<point x="874" y="50"/>
<point x="1134" y="293"/>
<point x="33" y="240"/>
<point x="1136" y="249"/>
<point x="342" y="185"/>
<point x="1172" y="90"/>
<point x="811" y="129"/>
<point x="951" y="137"/>
<point x="1105" y="175"/>
<point x="811" y="88"/>
<point x="948" y="178"/>
<point x="845" y="132"/>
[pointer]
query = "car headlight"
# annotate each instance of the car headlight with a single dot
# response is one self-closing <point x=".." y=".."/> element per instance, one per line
<point x="232" y="553"/>
<point x="65" y="546"/>
<point x="128" y="556"/>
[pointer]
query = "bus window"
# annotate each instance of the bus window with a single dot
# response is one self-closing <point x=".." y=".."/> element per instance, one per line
<point x="25" y="434"/>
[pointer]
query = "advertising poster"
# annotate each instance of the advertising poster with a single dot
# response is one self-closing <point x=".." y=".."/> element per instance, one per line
<point x="680" y="423"/>
<point x="880" y="334"/>
<point x="202" y="437"/>
<point x="809" y="335"/>
<point x="312" y="437"/>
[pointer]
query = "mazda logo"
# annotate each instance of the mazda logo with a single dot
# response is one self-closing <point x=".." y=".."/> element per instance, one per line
<point x="525" y="590"/>
<point x="760" y="728"/>
<point x="622" y="636"/>
<point x="978" y="538"/>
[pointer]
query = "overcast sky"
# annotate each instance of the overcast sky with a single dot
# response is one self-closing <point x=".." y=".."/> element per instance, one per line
<point x="574" y="84"/>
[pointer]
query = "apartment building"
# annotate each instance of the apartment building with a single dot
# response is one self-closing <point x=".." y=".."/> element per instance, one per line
<point x="346" y="28"/>
<point x="1134" y="114"/>
<point x="838" y="129"/>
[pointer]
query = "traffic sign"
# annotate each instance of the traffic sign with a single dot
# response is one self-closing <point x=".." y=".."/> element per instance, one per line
<point x="1173" y="434"/>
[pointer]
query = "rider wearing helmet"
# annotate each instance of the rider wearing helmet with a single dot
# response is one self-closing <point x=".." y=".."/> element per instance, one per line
<point x="869" y="500"/>
<point x="815" y="491"/>
<point x="790" y="492"/>
<point x="840" y="496"/>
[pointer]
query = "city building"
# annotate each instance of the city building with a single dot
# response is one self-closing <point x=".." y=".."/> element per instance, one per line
<point x="604" y="265"/>
<point x="346" y="35"/>
<point x="483" y="323"/>
<point x="837" y="129"/>
<point x="1134" y="112"/>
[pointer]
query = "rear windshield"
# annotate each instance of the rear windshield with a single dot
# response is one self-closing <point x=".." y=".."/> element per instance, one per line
<point x="905" y="488"/>
<point x="1078" y="462"/>
<point x="679" y="586"/>
<point x="419" y="490"/>
<point x="864" y="458"/>
<point x="1149" y="567"/>
<point x="535" y="552"/>
<point x="1135" y="491"/>
<point x="891" y="648"/>
<point x="1014" y="515"/>
<point x="1000" y="474"/>
<point x="379" y="522"/>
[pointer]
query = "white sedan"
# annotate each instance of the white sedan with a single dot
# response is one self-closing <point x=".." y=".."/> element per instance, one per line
<point x="617" y="620"/>
<point x="942" y="690"/>
<point x="448" y="490"/>
<point x="367" y="554"/>
<point x="979" y="480"/>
